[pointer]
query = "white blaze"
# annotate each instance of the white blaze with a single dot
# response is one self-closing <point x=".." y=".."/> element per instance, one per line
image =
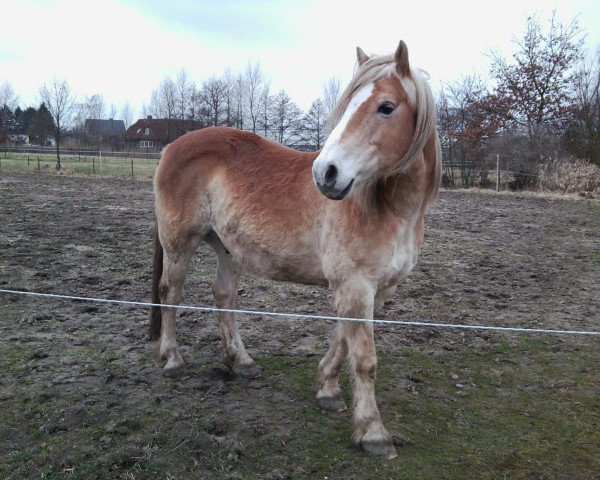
<point x="346" y="158"/>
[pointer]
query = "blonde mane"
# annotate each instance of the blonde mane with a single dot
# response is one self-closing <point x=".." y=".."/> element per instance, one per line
<point x="384" y="66"/>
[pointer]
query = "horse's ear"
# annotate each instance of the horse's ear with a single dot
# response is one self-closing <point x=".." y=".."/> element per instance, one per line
<point x="361" y="56"/>
<point x="401" y="57"/>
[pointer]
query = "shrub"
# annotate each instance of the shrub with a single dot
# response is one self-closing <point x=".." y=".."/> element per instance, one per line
<point x="570" y="177"/>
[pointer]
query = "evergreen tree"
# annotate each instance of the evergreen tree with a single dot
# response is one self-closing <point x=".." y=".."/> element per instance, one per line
<point x="314" y="124"/>
<point x="23" y="119"/>
<point x="41" y="127"/>
<point x="7" y="123"/>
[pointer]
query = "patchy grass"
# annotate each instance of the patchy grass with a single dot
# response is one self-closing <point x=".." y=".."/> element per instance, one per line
<point x="111" y="166"/>
<point x="82" y="397"/>
<point x="526" y="408"/>
<point x="521" y="408"/>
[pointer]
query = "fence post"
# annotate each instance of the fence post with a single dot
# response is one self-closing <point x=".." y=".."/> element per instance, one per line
<point x="39" y="167"/>
<point x="497" y="172"/>
<point x="94" y="165"/>
<point x="27" y="160"/>
<point x="132" y="168"/>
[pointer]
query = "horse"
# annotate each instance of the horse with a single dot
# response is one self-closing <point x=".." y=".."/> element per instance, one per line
<point x="350" y="217"/>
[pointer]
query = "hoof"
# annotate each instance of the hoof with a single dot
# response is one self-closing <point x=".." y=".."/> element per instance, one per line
<point x="380" y="448"/>
<point x="248" y="370"/>
<point x="332" y="404"/>
<point x="175" y="371"/>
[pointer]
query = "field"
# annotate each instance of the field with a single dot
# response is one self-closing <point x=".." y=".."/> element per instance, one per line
<point x="82" y="395"/>
<point x="136" y="165"/>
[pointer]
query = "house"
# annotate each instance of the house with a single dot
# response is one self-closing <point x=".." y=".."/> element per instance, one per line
<point x="18" y="139"/>
<point x="107" y="133"/>
<point x="152" y="134"/>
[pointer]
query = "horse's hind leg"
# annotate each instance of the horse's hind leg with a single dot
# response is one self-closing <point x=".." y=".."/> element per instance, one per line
<point x="175" y="266"/>
<point x="225" y="292"/>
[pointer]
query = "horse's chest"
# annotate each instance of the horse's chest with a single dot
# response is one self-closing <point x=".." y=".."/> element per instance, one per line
<point x="400" y="260"/>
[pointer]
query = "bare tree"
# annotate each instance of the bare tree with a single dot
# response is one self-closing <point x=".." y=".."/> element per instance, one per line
<point x="285" y="116"/>
<point x="8" y="103"/>
<point x="535" y="87"/>
<point x="254" y="81"/>
<point x="8" y="97"/>
<point x="92" y="108"/>
<point x="127" y="114"/>
<point x="213" y="95"/>
<point x="79" y="118"/>
<point x="240" y="88"/>
<point x="163" y="104"/>
<point x="112" y="112"/>
<point x="265" y="105"/>
<point x="60" y="102"/>
<point x="583" y="135"/>
<point x="467" y="121"/>
<point x="229" y="81"/>
<point x="444" y="123"/>
<point x="331" y="95"/>
<point x="312" y="130"/>
<point x="95" y="106"/>
<point x="185" y="90"/>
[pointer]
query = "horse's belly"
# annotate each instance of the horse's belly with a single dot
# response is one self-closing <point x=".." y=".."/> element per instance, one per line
<point x="284" y="261"/>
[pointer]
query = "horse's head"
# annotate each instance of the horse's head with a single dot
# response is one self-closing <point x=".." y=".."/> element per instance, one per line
<point x="375" y="123"/>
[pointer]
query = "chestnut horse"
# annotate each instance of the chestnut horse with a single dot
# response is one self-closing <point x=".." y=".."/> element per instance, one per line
<point x="349" y="217"/>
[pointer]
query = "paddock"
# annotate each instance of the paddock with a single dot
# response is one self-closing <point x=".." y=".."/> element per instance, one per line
<point x="82" y="396"/>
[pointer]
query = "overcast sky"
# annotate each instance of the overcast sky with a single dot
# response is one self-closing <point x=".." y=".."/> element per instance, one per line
<point x="123" y="49"/>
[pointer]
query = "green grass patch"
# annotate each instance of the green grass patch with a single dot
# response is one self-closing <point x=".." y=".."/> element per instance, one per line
<point x="10" y="356"/>
<point x="80" y="165"/>
<point x="522" y="409"/>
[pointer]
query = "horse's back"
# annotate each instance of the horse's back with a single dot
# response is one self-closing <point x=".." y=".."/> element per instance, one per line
<point x="257" y="196"/>
<point x="238" y="151"/>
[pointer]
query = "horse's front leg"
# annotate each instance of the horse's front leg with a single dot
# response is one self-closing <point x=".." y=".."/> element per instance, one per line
<point x="329" y="395"/>
<point x="356" y="300"/>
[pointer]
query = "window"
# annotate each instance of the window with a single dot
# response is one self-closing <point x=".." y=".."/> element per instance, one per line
<point x="146" y="144"/>
<point x="146" y="131"/>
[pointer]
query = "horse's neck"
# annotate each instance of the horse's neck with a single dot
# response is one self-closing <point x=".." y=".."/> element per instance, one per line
<point x="400" y="195"/>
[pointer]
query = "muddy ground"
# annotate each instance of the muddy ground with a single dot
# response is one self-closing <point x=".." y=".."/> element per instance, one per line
<point x="82" y="396"/>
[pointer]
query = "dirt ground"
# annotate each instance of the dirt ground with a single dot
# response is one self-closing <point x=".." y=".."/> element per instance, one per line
<point x="82" y="396"/>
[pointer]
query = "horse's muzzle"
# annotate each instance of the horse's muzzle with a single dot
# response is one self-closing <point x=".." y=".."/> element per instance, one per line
<point x="333" y="193"/>
<point x="330" y="180"/>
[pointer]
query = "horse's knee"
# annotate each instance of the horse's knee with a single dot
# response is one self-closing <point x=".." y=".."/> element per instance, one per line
<point x="383" y="295"/>
<point x="163" y="291"/>
<point x="224" y="295"/>
<point x="365" y="367"/>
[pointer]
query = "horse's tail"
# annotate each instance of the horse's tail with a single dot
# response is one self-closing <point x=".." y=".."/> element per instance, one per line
<point x="157" y="270"/>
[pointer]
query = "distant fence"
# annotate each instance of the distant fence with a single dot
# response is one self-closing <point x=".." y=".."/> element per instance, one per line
<point x="143" y="164"/>
<point x="79" y="152"/>
<point x="83" y="162"/>
<point x="496" y="176"/>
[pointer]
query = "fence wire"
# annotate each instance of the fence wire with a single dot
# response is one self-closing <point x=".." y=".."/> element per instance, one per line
<point x="302" y="316"/>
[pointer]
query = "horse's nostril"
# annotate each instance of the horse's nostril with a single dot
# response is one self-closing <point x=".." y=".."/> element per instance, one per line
<point x="330" y="174"/>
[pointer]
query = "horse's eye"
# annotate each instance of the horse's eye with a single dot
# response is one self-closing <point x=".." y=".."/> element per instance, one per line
<point x="386" y="108"/>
